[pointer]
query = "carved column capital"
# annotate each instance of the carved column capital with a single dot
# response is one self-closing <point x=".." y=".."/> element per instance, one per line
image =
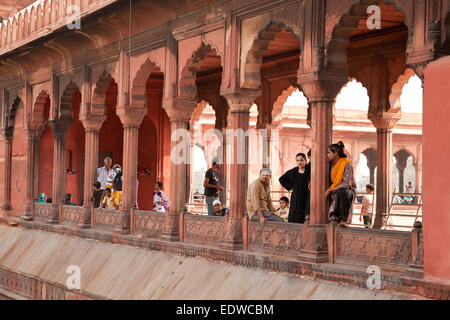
<point x="320" y="87"/>
<point x="240" y="99"/>
<point x="92" y="123"/>
<point x="385" y="120"/>
<point x="179" y="109"/>
<point x="131" y="117"/>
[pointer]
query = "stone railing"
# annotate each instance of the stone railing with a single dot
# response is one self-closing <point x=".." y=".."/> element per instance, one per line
<point x="275" y="238"/>
<point x="148" y="223"/>
<point x="42" y="211"/>
<point x="71" y="214"/>
<point x="106" y="218"/>
<point x="41" y="18"/>
<point x="203" y="229"/>
<point x="371" y="246"/>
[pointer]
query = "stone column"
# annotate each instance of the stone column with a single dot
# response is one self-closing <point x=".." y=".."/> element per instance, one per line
<point x="8" y="136"/>
<point x="239" y="101"/>
<point x="32" y="136"/>
<point x="402" y="157"/>
<point x="418" y="166"/>
<point x="179" y="111"/>
<point x="131" y="119"/>
<point x="60" y="129"/>
<point x="320" y="93"/>
<point x="92" y="127"/>
<point x="384" y="124"/>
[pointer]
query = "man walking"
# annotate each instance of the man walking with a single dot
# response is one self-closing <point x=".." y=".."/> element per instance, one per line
<point x="211" y="184"/>
<point x="259" y="202"/>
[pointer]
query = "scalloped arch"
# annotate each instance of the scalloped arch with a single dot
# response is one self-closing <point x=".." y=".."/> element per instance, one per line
<point x="138" y="94"/>
<point x="396" y="90"/>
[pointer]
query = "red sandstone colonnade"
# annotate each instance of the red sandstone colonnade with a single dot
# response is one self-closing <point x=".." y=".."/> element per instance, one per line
<point x="313" y="45"/>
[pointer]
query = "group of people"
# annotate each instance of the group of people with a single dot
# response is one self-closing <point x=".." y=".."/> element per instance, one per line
<point x="341" y="192"/>
<point x="107" y="190"/>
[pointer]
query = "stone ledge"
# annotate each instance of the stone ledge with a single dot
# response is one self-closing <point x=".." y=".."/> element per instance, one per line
<point x="337" y="273"/>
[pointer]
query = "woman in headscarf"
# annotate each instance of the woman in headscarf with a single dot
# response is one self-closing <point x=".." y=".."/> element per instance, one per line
<point x="42" y="198"/>
<point x="297" y="180"/>
<point x="343" y="185"/>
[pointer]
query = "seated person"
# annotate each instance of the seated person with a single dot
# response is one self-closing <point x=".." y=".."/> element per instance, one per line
<point x="283" y="210"/>
<point x="67" y="199"/>
<point x="218" y="210"/>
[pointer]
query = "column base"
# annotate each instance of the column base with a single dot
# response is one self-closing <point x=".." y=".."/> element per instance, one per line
<point x="124" y="223"/>
<point x="415" y="271"/>
<point x="379" y="221"/>
<point x="171" y="227"/>
<point x="54" y="219"/>
<point x="85" y="221"/>
<point x="314" y="244"/>
<point x="233" y="238"/>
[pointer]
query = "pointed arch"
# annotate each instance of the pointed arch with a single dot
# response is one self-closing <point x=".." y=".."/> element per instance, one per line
<point x="65" y="111"/>
<point x="187" y="87"/>
<point x="40" y="109"/>
<point x="396" y="90"/>
<point x="336" y="46"/>
<point x="251" y="73"/>
<point x="98" y="106"/>
<point x="11" y="116"/>
<point x="138" y="90"/>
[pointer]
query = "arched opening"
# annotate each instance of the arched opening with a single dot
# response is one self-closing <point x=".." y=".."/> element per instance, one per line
<point x="74" y="153"/>
<point x="153" y="131"/>
<point x="46" y="147"/>
<point x="110" y="138"/>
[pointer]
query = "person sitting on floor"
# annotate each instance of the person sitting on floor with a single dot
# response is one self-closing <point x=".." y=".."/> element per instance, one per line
<point x="218" y="210"/>
<point x="67" y="199"/>
<point x="42" y="198"/>
<point x="283" y="210"/>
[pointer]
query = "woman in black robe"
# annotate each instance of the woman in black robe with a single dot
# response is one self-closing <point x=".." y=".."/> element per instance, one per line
<point x="297" y="180"/>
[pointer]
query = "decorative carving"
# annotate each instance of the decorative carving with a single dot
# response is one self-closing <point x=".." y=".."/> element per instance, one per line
<point x="374" y="246"/>
<point x="43" y="210"/>
<point x="106" y="218"/>
<point x="240" y="99"/>
<point x="71" y="214"/>
<point x="203" y="228"/>
<point x="385" y="120"/>
<point x="148" y="222"/>
<point x="320" y="88"/>
<point x="233" y="229"/>
<point x="274" y="237"/>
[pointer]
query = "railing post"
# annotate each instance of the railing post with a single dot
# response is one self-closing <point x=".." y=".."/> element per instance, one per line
<point x="181" y="224"/>
<point x="331" y="238"/>
<point x="417" y="255"/>
<point x="245" y="232"/>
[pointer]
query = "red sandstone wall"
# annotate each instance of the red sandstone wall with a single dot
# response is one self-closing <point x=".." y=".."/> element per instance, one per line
<point x="436" y="176"/>
<point x="19" y="163"/>
<point x="45" y="168"/>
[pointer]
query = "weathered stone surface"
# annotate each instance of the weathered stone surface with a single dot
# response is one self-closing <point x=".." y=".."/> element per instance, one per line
<point x="122" y="272"/>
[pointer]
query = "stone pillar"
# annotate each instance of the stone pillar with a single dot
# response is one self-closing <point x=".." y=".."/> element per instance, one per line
<point x="418" y="166"/>
<point x="32" y="153"/>
<point x="92" y="127"/>
<point x="60" y="129"/>
<point x="8" y="136"/>
<point x="239" y="101"/>
<point x="384" y="124"/>
<point x="223" y="168"/>
<point x="131" y="119"/>
<point x="402" y="157"/>
<point x="179" y="111"/>
<point x="320" y="94"/>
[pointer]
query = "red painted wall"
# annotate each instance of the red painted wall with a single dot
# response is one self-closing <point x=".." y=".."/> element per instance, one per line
<point x="436" y="175"/>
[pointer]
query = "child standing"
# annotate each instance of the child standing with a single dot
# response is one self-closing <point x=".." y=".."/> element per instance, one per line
<point x="367" y="207"/>
<point x="97" y="194"/>
<point x="283" y="210"/>
<point x="109" y="202"/>
<point x="160" y="201"/>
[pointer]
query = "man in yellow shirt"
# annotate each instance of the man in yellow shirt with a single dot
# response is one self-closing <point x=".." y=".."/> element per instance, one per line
<point x="259" y="202"/>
